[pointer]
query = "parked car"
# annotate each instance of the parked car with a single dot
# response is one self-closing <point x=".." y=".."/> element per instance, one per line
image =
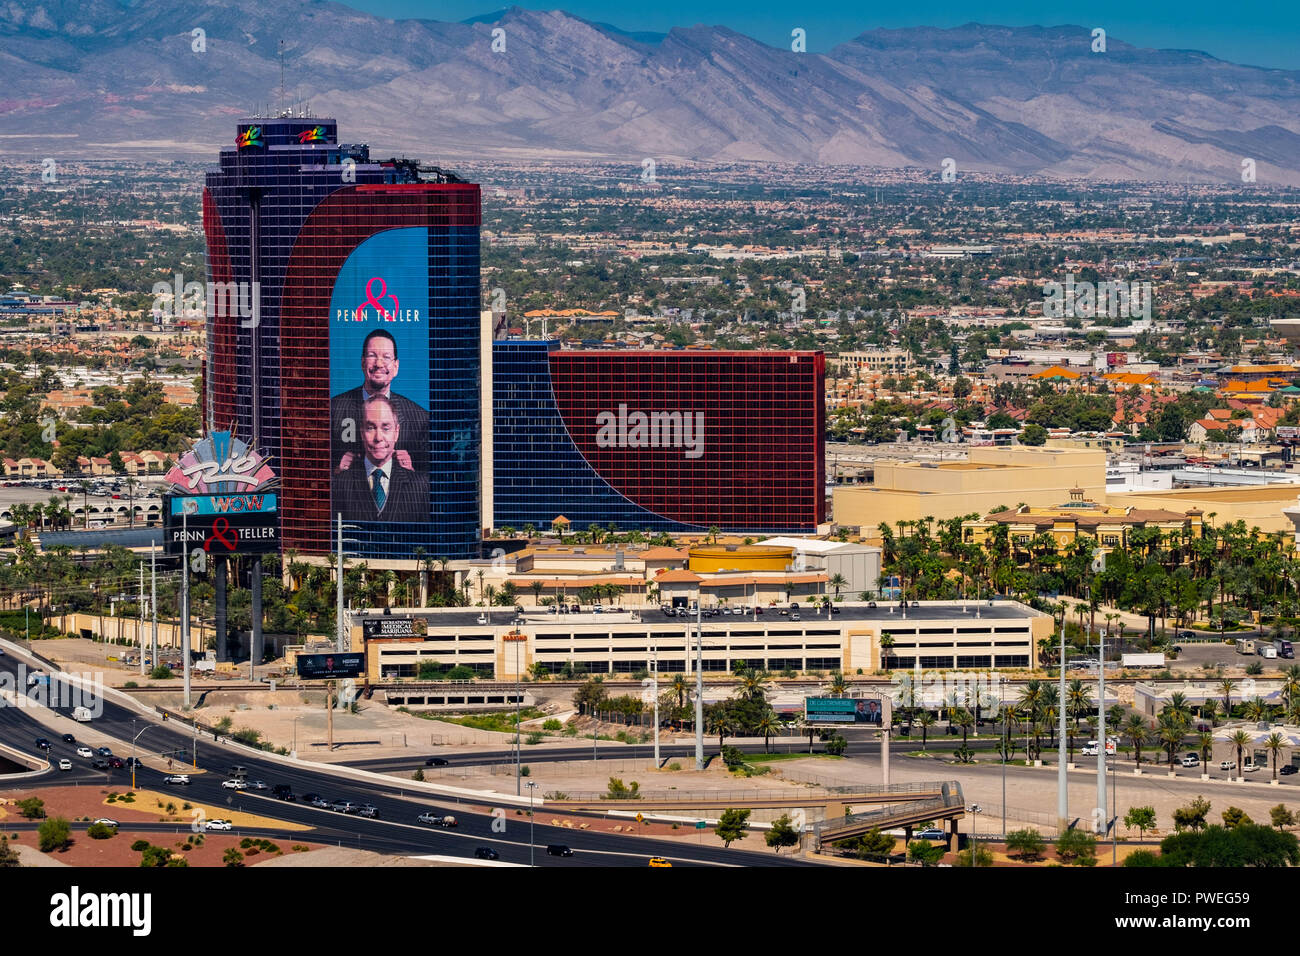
<point x="1227" y="765"/>
<point x="437" y="819"/>
<point x="85" y="752"/>
<point x="486" y="853"/>
<point x="1191" y="760"/>
<point x="66" y="764"/>
<point x="558" y="849"/>
<point x="1287" y="769"/>
<point x="234" y="785"/>
<point x="178" y="779"/>
<point x="1250" y="768"/>
<point x="218" y="825"/>
<point x="575" y="608"/>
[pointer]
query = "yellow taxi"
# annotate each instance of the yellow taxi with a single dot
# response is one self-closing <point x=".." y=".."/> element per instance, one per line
<point x="659" y="861"/>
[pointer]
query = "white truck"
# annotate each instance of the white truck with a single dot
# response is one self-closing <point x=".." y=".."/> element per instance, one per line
<point x="82" y="714"/>
<point x="1142" y="660"/>
<point x="1267" y="651"/>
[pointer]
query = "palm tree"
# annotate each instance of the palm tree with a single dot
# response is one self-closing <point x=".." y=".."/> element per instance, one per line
<point x="1227" y="685"/>
<point x="1170" y="733"/>
<point x="839" y="685"/>
<point x="537" y="587"/>
<point x="1274" y="743"/>
<point x="768" y="725"/>
<point x="724" y="725"/>
<point x="1031" y="699"/>
<point x="1078" y="698"/>
<point x="838" y="582"/>
<point x="84" y="487"/>
<point x="925" y="721"/>
<point x="1137" y="731"/>
<point x="886" y="649"/>
<point x="131" y="485"/>
<point x="1240" y="739"/>
<point x="965" y="720"/>
<point x="679" y="686"/>
<point x="1205" y="740"/>
<point x="1256" y="709"/>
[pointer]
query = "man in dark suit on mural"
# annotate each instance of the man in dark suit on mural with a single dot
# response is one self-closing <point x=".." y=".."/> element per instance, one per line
<point x="379" y="366"/>
<point x="376" y="487"/>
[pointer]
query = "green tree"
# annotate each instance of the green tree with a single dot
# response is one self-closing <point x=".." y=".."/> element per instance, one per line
<point x="100" y="831"/>
<point x="782" y="833"/>
<point x="1076" y="847"/>
<point x="54" y="834"/>
<point x="33" y="808"/>
<point x="1143" y="858"/>
<point x="1028" y="844"/>
<point x="8" y="858"/>
<point x="1192" y="816"/>
<point x="983" y="856"/>
<point x="732" y="826"/>
<point x="925" y="852"/>
<point x="1281" y="817"/>
<point x="617" y="790"/>
<point x="233" y="857"/>
<point x="1141" y="819"/>
<point x="1234" y="817"/>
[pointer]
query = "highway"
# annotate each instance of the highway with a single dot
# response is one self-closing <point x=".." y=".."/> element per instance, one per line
<point x="396" y="831"/>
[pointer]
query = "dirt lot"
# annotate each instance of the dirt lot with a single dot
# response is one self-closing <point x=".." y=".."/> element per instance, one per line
<point x="77" y="802"/>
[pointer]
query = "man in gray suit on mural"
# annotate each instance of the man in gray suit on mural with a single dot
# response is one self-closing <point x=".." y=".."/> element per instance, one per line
<point x="379" y="367"/>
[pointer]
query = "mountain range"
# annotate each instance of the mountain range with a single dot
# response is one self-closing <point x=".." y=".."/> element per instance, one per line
<point x="98" y="78"/>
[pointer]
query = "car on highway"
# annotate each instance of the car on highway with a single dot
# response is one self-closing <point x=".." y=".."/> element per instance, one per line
<point x="316" y="800"/>
<point x="104" y="752"/>
<point x="69" y="739"/>
<point x="117" y="763"/>
<point x="218" y="825"/>
<point x="85" y="752"/>
<point x="558" y="849"/>
<point x="256" y="785"/>
<point x="66" y="764"/>
<point x="436" y="762"/>
<point x="929" y="833"/>
<point x="344" y="806"/>
<point x="105" y="821"/>
<point x="99" y="763"/>
<point x="1184" y="635"/>
<point x="1227" y="765"/>
<point x="42" y="743"/>
<point x="486" y="853"/>
<point x="234" y="784"/>
<point x="659" y="861"/>
<point x="282" y="791"/>
<point x="134" y="762"/>
<point x="369" y="811"/>
<point x="1287" y="769"/>
<point x="179" y="779"/>
<point x="435" y="819"/>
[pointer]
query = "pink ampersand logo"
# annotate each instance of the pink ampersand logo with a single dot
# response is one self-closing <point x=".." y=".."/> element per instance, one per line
<point x="376" y="300"/>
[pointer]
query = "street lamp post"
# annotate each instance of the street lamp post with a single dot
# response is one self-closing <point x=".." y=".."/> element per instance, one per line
<point x="517" y="638"/>
<point x="1101" y="728"/>
<point x="133" y="762"/>
<point x="1002" y="702"/>
<point x="532" y="789"/>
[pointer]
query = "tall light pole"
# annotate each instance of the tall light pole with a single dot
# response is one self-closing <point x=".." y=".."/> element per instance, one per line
<point x="517" y="638"/>
<point x="532" y="789"/>
<point x="1002" y="704"/>
<point x="1101" y="729"/>
<point x="339" y="613"/>
<point x="153" y="601"/>
<point x="699" y="681"/>
<point x="1062" y="784"/>
<point x="139" y="634"/>
<point x="188" y="506"/>
<point x="654" y="661"/>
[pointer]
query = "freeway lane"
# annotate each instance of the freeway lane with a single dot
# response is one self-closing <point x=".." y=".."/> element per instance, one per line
<point x="395" y="832"/>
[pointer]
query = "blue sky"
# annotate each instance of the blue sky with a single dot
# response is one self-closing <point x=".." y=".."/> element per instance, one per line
<point x="1256" y="32"/>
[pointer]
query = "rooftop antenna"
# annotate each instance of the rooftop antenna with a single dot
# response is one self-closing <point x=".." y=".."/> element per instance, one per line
<point x="281" y="54"/>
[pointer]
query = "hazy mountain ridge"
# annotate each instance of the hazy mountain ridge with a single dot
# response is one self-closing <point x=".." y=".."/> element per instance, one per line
<point x="1021" y="100"/>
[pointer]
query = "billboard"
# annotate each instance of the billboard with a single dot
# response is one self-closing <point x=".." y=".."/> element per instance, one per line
<point x="845" y="710"/>
<point x="256" y="532"/>
<point x="329" y="666"/>
<point x="379" y="381"/>
<point x="394" y="627"/>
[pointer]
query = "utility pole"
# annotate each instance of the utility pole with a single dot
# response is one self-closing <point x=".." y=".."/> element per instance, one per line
<point x="139" y="634"/>
<point x="329" y="716"/>
<point x="655" y="677"/>
<point x="1062" y="796"/>
<point x="153" y="601"/>
<point x="699" y="681"/>
<point x="339" y="613"/>
<point x="1101" y="731"/>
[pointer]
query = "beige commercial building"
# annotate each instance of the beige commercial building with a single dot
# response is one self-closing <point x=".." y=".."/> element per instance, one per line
<point x="1259" y="506"/>
<point x="989" y="479"/>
